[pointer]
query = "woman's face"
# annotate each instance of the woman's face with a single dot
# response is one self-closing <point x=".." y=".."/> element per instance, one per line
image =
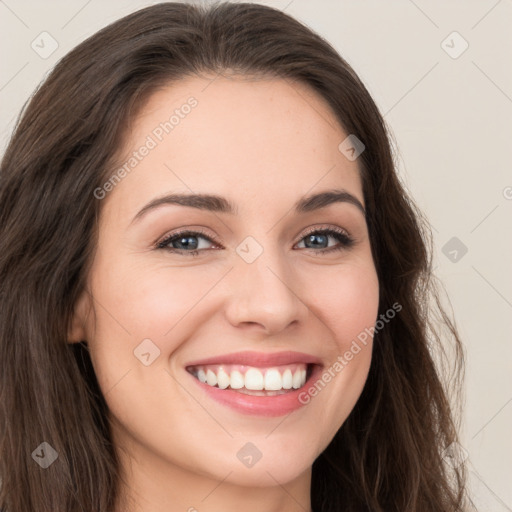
<point x="266" y="297"/>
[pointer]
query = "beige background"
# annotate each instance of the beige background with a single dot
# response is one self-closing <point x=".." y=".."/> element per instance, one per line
<point x="452" y="120"/>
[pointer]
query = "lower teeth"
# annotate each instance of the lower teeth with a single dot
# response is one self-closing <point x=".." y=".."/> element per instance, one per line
<point x="246" y="391"/>
<point x="262" y="392"/>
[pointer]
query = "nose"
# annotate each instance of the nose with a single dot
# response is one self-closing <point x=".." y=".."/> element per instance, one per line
<point x="264" y="293"/>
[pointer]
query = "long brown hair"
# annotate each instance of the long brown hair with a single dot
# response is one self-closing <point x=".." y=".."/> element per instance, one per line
<point x="389" y="453"/>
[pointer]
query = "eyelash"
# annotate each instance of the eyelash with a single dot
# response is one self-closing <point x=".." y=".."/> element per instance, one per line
<point x="345" y="240"/>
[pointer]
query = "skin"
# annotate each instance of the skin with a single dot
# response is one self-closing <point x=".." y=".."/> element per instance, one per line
<point x="263" y="144"/>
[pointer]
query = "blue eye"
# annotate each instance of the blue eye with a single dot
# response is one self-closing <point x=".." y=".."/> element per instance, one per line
<point x="186" y="242"/>
<point x="317" y="238"/>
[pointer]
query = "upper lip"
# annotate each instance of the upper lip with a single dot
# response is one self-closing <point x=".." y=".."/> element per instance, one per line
<point x="259" y="359"/>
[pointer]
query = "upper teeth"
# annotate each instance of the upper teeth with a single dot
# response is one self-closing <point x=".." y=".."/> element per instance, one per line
<point x="270" y="379"/>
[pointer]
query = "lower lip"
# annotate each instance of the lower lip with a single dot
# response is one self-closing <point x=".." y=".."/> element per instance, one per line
<point x="271" y="406"/>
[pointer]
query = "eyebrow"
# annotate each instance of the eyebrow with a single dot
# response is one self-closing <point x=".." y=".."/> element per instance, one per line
<point x="220" y="204"/>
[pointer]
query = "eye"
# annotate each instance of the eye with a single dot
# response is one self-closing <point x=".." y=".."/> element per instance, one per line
<point x="184" y="241"/>
<point x="187" y="241"/>
<point x="320" y="237"/>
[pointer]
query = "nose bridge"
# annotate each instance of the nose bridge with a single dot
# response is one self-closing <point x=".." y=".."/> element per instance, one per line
<point x="262" y="287"/>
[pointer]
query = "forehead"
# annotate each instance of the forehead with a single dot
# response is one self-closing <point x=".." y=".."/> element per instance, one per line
<point x="226" y="135"/>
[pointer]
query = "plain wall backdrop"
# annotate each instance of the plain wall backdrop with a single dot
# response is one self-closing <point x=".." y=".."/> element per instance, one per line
<point x="440" y="73"/>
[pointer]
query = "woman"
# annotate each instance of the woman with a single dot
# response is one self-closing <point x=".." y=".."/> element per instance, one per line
<point x="215" y="290"/>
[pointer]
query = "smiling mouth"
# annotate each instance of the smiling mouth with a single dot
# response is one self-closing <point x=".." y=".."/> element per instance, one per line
<point x="251" y="380"/>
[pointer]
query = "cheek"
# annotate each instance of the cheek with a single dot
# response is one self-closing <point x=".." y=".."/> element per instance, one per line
<point x="346" y="300"/>
<point x="149" y="300"/>
<point x="139" y="301"/>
